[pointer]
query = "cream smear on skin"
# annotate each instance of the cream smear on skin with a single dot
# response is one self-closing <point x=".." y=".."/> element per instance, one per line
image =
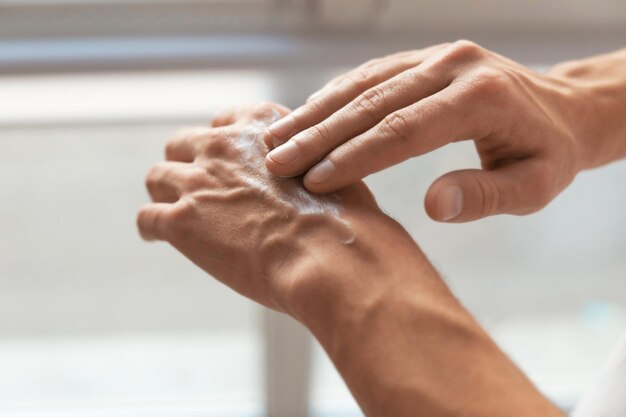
<point x="252" y="150"/>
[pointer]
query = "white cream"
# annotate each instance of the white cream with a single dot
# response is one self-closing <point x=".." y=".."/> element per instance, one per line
<point x="253" y="150"/>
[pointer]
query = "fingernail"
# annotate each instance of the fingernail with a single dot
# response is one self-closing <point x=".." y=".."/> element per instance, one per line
<point x="277" y="142"/>
<point x="321" y="172"/>
<point x="285" y="153"/>
<point x="450" y="203"/>
<point x="282" y="128"/>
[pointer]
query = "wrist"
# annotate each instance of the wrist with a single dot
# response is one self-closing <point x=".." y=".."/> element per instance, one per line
<point x="393" y="329"/>
<point x="595" y="100"/>
<point x="333" y="283"/>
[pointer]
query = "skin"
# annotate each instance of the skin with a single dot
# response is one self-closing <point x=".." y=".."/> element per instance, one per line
<point x="400" y="339"/>
<point x="533" y="132"/>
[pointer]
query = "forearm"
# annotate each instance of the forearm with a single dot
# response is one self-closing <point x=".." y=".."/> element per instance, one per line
<point x="401" y="341"/>
<point x="598" y="105"/>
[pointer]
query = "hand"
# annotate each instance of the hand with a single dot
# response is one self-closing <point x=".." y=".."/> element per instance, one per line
<point x="525" y="125"/>
<point x="216" y="203"/>
<point x="351" y="274"/>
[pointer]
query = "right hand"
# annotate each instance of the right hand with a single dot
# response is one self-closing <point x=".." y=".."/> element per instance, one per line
<point x="526" y="126"/>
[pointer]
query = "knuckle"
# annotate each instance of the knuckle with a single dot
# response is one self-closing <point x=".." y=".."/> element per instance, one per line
<point x="316" y="106"/>
<point x="213" y="146"/>
<point x="171" y="148"/>
<point x="263" y="110"/>
<point x="370" y="102"/>
<point x="466" y="49"/>
<point x="179" y="217"/>
<point x="416" y="77"/>
<point x="487" y="81"/>
<point x="225" y="116"/>
<point x="398" y="126"/>
<point x="461" y="51"/>
<point x="187" y="135"/>
<point x="361" y="78"/>
<point x="154" y="177"/>
<point x="194" y="178"/>
<point x="183" y="134"/>
<point x="320" y="132"/>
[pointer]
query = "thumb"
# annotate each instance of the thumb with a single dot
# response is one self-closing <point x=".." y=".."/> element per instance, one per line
<point x="518" y="188"/>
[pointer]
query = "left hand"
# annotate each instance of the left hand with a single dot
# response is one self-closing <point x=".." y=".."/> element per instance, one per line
<point x="263" y="236"/>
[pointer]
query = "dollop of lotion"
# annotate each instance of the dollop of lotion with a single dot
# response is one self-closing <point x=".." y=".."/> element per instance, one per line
<point x="290" y="190"/>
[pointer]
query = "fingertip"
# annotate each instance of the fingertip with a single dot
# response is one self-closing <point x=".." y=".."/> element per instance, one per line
<point x="282" y="110"/>
<point x="277" y="169"/>
<point x="268" y="139"/>
<point x="322" y="178"/>
<point x="271" y="141"/>
<point x="269" y="164"/>
<point x="321" y="173"/>
<point x="319" y="188"/>
<point x="282" y="128"/>
<point x="430" y="204"/>
<point x="444" y="201"/>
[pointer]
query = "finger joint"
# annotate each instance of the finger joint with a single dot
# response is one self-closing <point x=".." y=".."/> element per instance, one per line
<point x="321" y="132"/>
<point x="397" y="125"/>
<point x="371" y="103"/>
<point x="361" y="78"/>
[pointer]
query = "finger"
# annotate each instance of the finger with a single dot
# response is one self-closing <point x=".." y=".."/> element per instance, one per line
<point x="332" y="99"/>
<point x="152" y="221"/>
<point x="369" y="64"/>
<point x="185" y="145"/>
<point x="165" y="181"/>
<point x="226" y="117"/>
<point x="521" y="187"/>
<point x="267" y="112"/>
<point x="422" y="127"/>
<point x="355" y="82"/>
<point x="416" y="56"/>
<point x="366" y="111"/>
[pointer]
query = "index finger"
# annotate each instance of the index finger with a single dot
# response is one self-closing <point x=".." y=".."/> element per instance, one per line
<point x="422" y="127"/>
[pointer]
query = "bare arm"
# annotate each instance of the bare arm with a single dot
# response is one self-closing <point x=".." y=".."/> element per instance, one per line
<point x="351" y="274"/>
<point x="399" y="338"/>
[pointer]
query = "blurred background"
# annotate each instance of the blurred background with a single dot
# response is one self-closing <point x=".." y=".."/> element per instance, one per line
<point x="94" y="322"/>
